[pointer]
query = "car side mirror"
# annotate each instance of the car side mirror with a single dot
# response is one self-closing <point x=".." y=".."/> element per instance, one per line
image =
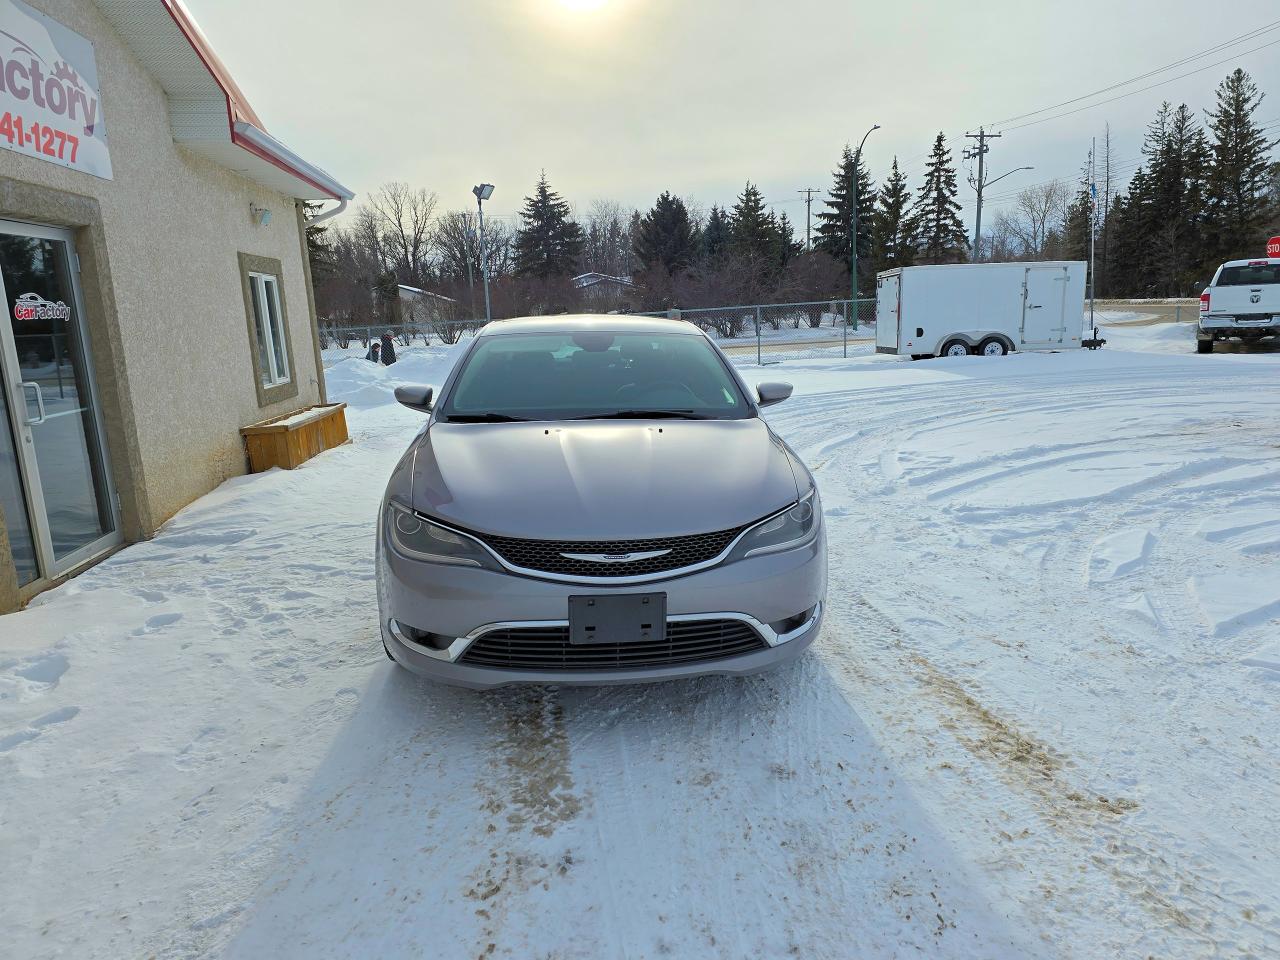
<point x="771" y="393"/>
<point x="415" y="398"/>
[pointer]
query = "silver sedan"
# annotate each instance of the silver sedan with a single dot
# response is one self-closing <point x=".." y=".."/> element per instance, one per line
<point x="597" y="500"/>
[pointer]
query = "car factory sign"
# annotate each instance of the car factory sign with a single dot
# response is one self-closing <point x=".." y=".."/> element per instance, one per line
<point x="49" y="102"/>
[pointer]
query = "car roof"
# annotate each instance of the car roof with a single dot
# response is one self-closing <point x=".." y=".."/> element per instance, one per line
<point x="573" y="323"/>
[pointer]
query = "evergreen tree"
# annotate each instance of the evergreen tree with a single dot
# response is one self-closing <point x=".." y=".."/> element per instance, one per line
<point x="785" y="244"/>
<point x="1238" y="177"/>
<point x="715" y="235"/>
<point x="835" y="223"/>
<point x="894" y="246"/>
<point x="665" y="237"/>
<point x="549" y="243"/>
<point x="939" y="236"/>
<point x="754" y="245"/>
<point x="319" y="250"/>
<point x="1174" y="203"/>
<point x="1128" y="225"/>
<point x="752" y="230"/>
<point x="1077" y="220"/>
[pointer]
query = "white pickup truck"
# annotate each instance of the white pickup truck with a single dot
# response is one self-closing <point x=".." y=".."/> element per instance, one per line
<point x="1242" y="301"/>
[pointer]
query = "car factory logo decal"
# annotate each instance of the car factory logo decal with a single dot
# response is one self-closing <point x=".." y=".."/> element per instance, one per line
<point x="32" y="306"/>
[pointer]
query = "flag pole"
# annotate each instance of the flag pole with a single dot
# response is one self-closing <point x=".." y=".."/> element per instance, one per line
<point x="1093" y="232"/>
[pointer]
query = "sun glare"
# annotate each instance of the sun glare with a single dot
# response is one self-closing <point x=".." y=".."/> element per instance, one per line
<point x="582" y="6"/>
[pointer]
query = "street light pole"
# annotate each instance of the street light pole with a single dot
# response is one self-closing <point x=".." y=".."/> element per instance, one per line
<point x="483" y="192"/>
<point x="470" y="237"/>
<point x="853" y="239"/>
<point x="981" y="185"/>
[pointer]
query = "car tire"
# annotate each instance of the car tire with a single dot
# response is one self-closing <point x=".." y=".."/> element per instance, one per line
<point x="992" y="347"/>
<point x="955" y="348"/>
<point x="1204" y="346"/>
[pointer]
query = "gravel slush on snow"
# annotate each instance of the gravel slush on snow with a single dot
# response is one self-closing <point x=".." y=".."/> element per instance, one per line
<point x="1041" y="720"/>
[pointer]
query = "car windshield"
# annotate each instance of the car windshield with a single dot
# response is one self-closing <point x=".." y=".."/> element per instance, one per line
<point x="1253" y="275"/>
<point x="594" y="374"/>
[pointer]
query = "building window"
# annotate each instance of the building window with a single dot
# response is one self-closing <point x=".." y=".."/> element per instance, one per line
<point x="266" y="310"/>
<point x="268" y="324"/>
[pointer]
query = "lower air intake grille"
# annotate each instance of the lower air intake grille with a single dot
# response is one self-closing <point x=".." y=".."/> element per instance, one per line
<point x="548" y="648"/>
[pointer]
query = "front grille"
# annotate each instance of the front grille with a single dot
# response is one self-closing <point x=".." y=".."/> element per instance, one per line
<point x="548" y="648"/>
<point x="546" y="555"/>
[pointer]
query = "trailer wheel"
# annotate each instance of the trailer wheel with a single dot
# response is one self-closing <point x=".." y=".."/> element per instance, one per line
<point x="992" y="347"/>
<point x="955" y="348"/>
<point x="1204" y="346"/>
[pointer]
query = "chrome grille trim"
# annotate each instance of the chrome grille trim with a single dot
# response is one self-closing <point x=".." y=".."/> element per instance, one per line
<point x="547" y="647"/>
<point x="456" y="649"/>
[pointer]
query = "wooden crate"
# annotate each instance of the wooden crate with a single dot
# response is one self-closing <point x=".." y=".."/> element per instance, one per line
<point x="295" y="438"/>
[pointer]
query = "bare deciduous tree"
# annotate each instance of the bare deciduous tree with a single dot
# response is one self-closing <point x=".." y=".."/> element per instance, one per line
<point x="402" y="216"/>
<point x="1036" y="212"/>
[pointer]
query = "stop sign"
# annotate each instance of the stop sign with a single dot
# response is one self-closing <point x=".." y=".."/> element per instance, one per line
<point x="1273" y="247"/>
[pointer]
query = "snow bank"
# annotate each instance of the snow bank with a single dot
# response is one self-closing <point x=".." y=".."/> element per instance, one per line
<point x="1152" y="338"/>
<point x="364" y="384"/>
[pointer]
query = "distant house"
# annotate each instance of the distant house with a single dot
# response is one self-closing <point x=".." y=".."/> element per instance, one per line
<point x="606" y="292"/>
<point x="419" y="306"/>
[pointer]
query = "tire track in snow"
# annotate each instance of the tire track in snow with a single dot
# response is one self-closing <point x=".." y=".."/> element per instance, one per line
<point x="1152" y="868"/>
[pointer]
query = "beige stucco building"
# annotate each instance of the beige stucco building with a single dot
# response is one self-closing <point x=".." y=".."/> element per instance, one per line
<point x="156" y="283"/>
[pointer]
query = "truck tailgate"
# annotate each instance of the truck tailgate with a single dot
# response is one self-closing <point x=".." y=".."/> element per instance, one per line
<point x="1245" y="301"/>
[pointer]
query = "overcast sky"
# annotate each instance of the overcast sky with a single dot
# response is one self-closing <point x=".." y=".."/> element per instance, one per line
<point x="621" y="99"/>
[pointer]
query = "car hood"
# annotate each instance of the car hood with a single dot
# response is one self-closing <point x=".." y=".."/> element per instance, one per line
<point x="601" y="480"/>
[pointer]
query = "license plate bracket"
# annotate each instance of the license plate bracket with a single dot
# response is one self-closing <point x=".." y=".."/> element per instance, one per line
<point x="618" y="618"/>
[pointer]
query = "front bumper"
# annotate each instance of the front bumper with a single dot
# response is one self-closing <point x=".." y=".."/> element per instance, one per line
<point x="467" y="602"/>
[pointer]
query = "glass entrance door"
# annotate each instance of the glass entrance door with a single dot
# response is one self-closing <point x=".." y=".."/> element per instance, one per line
<point x="52" y="456"/>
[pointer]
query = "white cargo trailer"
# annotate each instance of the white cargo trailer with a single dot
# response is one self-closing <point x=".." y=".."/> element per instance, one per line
<point x="983" y="308"/>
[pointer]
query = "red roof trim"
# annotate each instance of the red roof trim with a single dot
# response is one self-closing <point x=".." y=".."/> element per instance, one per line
<point x="257" y="151"/>
<point x="238" y="108"/>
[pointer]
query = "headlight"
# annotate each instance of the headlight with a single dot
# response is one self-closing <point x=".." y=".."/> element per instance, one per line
<point x="424" y="540"/>
<point x="788" y="529"/>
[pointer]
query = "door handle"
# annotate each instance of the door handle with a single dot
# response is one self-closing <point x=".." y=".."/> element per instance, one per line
<point x="1034" y="306"/>
<point x="29" y="385"/>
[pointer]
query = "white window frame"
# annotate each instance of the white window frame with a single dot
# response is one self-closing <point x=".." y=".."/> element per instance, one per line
<point x="272" y="327"/>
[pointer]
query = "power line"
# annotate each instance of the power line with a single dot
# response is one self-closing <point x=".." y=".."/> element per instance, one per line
<point x="1181" y="76"/>
<point x="910" y="165"/>
<point x="1267" y="28"/>
<point x="1119" y="167"/>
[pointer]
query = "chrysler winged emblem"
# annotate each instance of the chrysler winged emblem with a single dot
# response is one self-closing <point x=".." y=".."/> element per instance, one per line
<point x="616" y="557"/>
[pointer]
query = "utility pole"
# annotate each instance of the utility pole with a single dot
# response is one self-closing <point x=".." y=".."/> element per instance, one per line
<point x="808" y="205"/>
<point x="979" y="151"/>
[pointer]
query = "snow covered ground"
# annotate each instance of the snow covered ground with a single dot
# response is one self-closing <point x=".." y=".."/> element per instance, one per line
<point x="1041" y="720"/>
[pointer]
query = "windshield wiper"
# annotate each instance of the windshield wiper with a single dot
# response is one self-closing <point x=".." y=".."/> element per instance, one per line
<point x="485" y="418"/>
<point x="646" y="415"/>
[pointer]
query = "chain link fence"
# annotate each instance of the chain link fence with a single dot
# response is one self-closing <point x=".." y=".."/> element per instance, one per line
<point x="763" y="333"/>
<point x="773" y="332"/>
